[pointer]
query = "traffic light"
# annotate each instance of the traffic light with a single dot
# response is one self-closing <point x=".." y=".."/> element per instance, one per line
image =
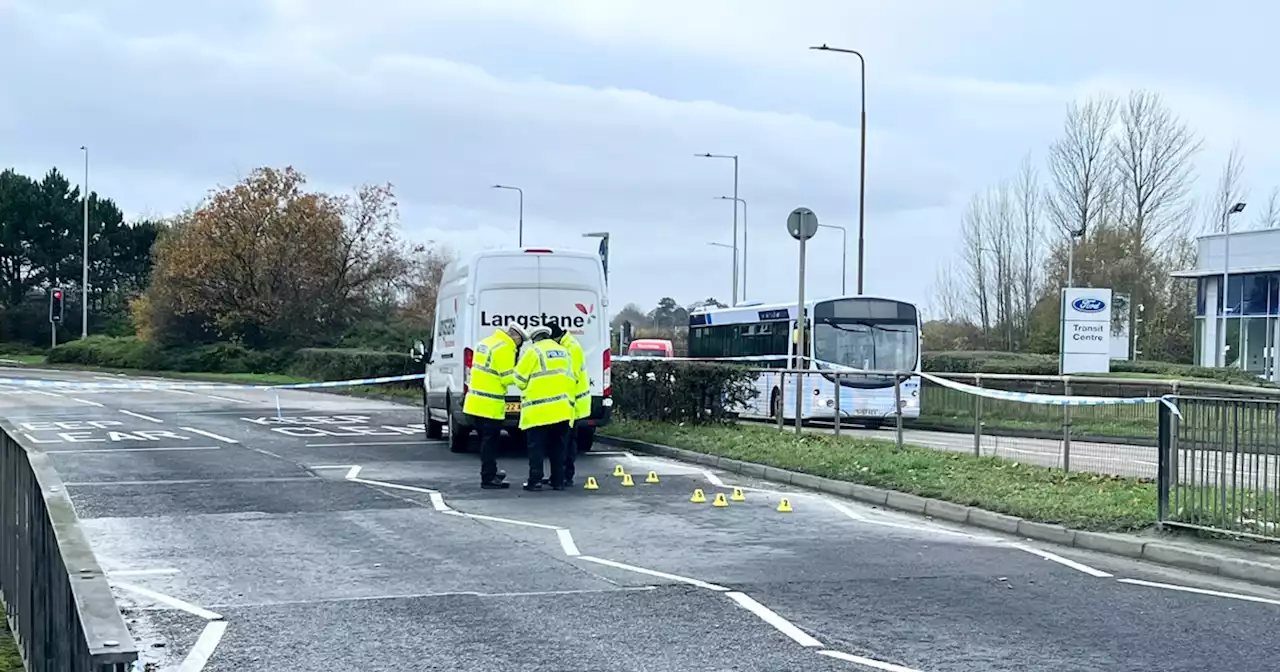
<point x="56" y="307"/>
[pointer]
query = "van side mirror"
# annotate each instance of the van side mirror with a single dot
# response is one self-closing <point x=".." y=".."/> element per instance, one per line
<point x="419" y="351"/>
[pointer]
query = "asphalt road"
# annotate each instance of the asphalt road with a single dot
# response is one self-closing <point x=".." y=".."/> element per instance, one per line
<point x="339" y="538"/>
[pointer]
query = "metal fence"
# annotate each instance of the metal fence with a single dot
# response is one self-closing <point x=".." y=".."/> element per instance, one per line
<point x="56" y="597"/>
<point x="1218" y="466"/>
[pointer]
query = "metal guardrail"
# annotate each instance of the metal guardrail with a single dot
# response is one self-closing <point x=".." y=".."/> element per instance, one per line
<point x="56" y="597"/>
<point x="1220" y="466"/>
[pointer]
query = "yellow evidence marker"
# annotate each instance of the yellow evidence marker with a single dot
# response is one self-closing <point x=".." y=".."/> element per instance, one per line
<point x="626" y="480"/>
<point x="737" y="495"/>
<point x="698" y="497"/>
<point x="653" y="477"/>
<point x="618" y="471"/>
<point x="591" y="484"/>
<point x="720" y="500"/>
<point x="784" y="506"/>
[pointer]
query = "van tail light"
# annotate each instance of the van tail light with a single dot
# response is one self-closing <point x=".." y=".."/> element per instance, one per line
<point x="608" y="373"/>
<point x="467" y="357"/>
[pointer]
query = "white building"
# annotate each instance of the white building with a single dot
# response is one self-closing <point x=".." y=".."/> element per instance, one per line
<point x="1253" y="300"/>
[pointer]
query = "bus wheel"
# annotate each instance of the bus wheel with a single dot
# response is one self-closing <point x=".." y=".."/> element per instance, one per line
<point x="775" y="404"/>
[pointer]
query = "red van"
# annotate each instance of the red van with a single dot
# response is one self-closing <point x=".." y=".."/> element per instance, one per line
<point x="651" y="347"/>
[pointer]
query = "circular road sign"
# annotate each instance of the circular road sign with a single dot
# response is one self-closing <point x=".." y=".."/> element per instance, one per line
<point x="802" y="224"/>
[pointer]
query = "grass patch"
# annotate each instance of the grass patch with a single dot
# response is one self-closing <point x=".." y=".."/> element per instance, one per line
<point x="10" y="660"/>
<point x="1078" y="500"/>
<point x="25" y="360"/>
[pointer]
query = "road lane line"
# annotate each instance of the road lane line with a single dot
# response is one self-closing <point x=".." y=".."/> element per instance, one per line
<point x="713" y="479"/>
<point x="195" y="481"/>
<point x="129" y="450"/>
<point x="866" y="662"/>
<point x="200" y="654"/>
<point x="141" y="416"/>
<point x="189" y="394"/>
<point x="437" y="502"/>
<point x="1199" y="591"/>
<point x="171" y="601"/>
<point x="367" y="443"/>
<point x="566" y="542"/>
<point x="508" y="521"/>
<point x="86" y="401"/>
<point x="1063" y="561"/>
<point x="238" y="401"/>
<point x="353" y="473"/>
<point x="393" y="486"/>
<point x="653" y="572"/>
<point x="772" y="618"/>
<point x="47" y="393"/>
<point x="416" y="596"/>
<point x="211" y="435"/>
<point x="143" y="572"/>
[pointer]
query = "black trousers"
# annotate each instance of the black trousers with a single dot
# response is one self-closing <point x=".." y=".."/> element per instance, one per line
<point x="547" y="442"/>
<point x="490" y="440"/>
<point x="571" y="453"/>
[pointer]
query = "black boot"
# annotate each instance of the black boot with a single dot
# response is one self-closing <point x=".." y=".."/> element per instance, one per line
<point x="498" y="482"/>
<point x="533" y="487"/>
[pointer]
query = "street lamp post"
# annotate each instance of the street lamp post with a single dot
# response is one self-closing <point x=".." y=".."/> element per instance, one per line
<point x="844" y="254"/>
<point x="745" y="256"/>
<point x="862" y="169"/>
<point x="520" y="232"/>
<point x="726" y="246"/>
<point x="84" y="278"/>
<point x="1226" y="271"/>
<point x="735" y="216"/>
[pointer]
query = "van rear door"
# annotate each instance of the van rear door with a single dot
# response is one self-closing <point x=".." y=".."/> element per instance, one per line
<point x="506" y="293"/>
<point x="570" y="291"/>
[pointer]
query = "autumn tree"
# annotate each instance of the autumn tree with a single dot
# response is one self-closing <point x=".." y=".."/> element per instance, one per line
<point x="269" y="264"/>
<point x="1080" y="170"/>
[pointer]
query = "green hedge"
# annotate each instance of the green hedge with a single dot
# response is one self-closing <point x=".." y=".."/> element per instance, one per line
<point x="311" y="363"/>
<point x="693" y="392"/>
<point x="1047" y="365"/>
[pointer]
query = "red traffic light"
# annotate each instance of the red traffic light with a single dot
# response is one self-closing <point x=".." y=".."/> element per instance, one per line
<point x="57" y="295"/>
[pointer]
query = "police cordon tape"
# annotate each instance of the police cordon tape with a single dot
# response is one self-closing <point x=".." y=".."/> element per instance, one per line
<point x="1006" y="395"/>
<point x="176" y="385"/>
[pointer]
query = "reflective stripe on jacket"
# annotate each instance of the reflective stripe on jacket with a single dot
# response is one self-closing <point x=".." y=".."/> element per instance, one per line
<point x="582" y="391"/>
<point x="492" y="368"/>
<point x="545" y="377"/>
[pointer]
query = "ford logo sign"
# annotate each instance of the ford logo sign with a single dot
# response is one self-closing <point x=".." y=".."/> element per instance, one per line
<point x="1088" y="305"/>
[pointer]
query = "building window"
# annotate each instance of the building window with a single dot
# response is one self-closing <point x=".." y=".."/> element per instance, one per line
<point x="1256" y="297"/>
<point x="1235" y="294"/>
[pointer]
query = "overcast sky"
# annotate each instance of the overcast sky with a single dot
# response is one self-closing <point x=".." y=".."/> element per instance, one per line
<point x="596" y="108"/>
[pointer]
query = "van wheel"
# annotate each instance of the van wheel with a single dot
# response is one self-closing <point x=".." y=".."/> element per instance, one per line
<point x="459" y="438"/>
<point x="435" y="430"/>
<point x="586" y="437"/>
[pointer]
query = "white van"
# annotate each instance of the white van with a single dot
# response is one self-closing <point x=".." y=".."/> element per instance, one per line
<point x="529" y="287"/>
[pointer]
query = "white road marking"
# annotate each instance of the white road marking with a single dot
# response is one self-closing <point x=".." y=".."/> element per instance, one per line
<point x="86" y="401"/>
<point x="47" y="393"/>
<point x="331" y="466"/>
<point x="508" y="521"/>
<point x="353" y="473"/>
<point x="143" y="572"/>
<point x="211" y="435"/>
<point x="713" y="479"/>
<point x="129" y="450"/>
<point x="141" y="416"/>
<point x="866" y="662"/>
<point x="437" y="502"/>
<point x="461" y="593"/>
<point x="189" y="394"/>
<point x="920" y="527"/>
<point x="200" y="654"/>
<point x="171" y="601"/>
<point x="1200" y="591"/>
<point x="1063" y="561"/>
<point x="652" y="572"/>
<point x="566" y="542"/>
<point x="384" y="484"/>
<point x="772" y="618"/>
<point x="369" y="443"/>
<point x="237" y="401"/>
<point x="609" y="453"/>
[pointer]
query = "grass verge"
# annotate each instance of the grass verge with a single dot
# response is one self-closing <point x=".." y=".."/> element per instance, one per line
<point x="1082" y="501"/>
<point x="10" y="660"/>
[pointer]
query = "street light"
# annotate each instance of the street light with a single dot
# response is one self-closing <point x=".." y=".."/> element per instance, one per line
<point x="1226" y="270"/>
<point x="862" y="169"/>
<point x="744" y="240"/>
<point x="604" y="250"/>
<point x="84" y="278"/>
<point x="844" y="254"/>
<point x="735" y="216"/>
<point x="520" y="233"/>
<point x="726" y="246"/>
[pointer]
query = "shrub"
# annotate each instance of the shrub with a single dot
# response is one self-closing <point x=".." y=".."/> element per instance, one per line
<point x="1031" y="364"/>
<point x="344" y="364"/>
<point x="694" y="392"/>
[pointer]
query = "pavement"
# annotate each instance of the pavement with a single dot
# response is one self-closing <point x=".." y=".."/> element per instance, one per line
<point x="335" y="536"/>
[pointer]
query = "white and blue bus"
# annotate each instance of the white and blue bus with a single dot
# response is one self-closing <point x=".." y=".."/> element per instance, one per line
<point x="847" y="334"/>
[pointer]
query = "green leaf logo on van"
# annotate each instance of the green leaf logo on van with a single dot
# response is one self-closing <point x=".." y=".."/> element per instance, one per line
<point x="588" y="310"/>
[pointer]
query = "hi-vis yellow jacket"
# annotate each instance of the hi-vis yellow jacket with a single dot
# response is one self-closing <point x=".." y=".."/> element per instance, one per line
<point x="545" y="376"/>
<point x="582" y="391"/>
<point x="492" y="368"/>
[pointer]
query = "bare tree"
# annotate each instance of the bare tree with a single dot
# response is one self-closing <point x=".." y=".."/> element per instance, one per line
<point x="1028" y="201"/>
<point x="1080" y="167"/>
<point x="1269" y="215"/>
<point x="973" y="232"/>
<point x="948" y="301"/>
<point x="1229" y="190"/>
<point x="1001" y="242"/>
